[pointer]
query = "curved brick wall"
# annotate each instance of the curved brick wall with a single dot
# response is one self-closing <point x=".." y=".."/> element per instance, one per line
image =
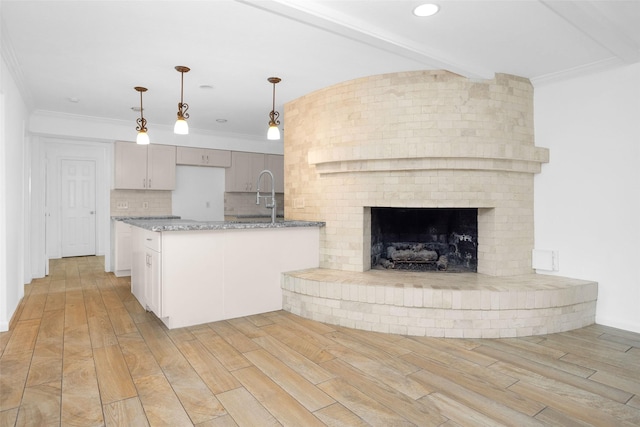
<point x="415" y="139"/>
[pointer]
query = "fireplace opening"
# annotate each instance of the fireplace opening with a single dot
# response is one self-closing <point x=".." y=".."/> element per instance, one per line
<point x="424" y="239"/>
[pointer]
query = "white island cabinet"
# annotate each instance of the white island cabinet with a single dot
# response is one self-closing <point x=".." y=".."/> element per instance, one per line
<point x="205" y="275"/>
<point x="146" y="269"/>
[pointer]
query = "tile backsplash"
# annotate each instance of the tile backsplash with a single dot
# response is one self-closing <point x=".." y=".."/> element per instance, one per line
<point x="140" y="203"/>
<point x="158" y="203"/>
<point x="244" y="204"/>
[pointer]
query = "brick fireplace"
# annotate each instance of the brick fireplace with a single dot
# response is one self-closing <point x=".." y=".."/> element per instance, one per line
<point x="425" y="139"/>
<point x="422" y="140"/>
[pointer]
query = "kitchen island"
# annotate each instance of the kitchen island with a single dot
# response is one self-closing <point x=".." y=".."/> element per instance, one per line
<point x="193" y="272"/>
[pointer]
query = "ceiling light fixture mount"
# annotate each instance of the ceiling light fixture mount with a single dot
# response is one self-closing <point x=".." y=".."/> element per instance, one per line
<point x="143" y="137"/>
<point x="182" y="127"/>
<point x="273" y="133"/>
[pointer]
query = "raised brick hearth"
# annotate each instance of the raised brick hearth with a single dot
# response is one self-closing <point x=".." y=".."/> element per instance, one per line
<point x="453" y="305"/>
<point x="426" y="139"/>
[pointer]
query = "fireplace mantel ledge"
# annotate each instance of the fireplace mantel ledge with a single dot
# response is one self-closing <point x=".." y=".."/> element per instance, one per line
<point x="427" y="163"/>
<point x="495" y="157"/>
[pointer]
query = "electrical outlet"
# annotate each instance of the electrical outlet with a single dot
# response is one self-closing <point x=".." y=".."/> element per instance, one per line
<point x="145" y="205"/>
<point x="298" y="203"/>
<point x="121" y="204"/>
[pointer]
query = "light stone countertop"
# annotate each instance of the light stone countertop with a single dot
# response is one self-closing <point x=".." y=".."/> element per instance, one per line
<point x="126" y="218"/>
<point x="176" y="224"/>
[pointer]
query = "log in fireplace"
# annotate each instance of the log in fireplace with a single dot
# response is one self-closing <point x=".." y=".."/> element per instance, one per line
<point x="424" y="239"/>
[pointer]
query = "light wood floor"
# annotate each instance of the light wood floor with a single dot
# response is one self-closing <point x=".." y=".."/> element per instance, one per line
<point x="83" y="352"/>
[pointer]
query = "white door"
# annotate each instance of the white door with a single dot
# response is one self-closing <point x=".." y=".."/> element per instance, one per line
<point x="78" y="204"/>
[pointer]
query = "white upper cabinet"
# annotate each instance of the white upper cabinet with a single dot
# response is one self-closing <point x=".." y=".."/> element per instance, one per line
<point x="243" y="174"/>
<point x="130" y="166"/>
<point x="144" y="167"/>
<point x="245" y="169"/>
<point x="203" y="157"/>
<point x="275" y="163"/>
<point x="161" y="167"/>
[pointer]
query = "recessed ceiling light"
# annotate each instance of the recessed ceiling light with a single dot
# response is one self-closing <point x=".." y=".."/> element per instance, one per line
<point x="73" y="99"/>
<point x="206" y="87"/>
<point x="138" y="109"/>
<point x="221" y="120"/>
<point x="427" y="9"/>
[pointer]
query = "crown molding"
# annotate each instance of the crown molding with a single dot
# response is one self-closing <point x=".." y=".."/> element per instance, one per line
<point x="575" y="72"/>
<point x="13" y="65"/>
<point x="49" y="122"/>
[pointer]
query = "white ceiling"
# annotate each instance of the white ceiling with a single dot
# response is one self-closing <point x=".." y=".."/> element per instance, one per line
<point x="97" y="51"/>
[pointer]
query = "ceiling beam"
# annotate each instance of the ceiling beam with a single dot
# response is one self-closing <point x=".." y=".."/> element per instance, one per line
<point x="589" y="18"/>
<point x="314" y="14"/>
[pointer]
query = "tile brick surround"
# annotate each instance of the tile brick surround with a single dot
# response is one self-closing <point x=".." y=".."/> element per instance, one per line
<point x="415" y="139"/>
<point x="423" y="139"/>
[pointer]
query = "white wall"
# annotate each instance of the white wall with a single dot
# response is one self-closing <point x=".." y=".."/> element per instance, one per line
<point x="587" y="198"/>
<point x="199" y="193"/>
<point x="13" y="198"/>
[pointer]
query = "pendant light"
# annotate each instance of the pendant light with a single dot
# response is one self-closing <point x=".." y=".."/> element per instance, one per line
<point x="143" y="137"/>
<point x="182" y="127"/>
<point x="274" y="132"/>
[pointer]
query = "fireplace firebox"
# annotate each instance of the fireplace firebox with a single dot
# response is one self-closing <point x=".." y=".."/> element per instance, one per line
<point x="424" y="239"/>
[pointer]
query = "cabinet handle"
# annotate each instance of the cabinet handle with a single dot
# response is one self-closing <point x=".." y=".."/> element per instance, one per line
<point x="202" y="158"/>
<point x="207" y="159"/>
<point x="149" y="182"/>
<point x="144" y="183"/>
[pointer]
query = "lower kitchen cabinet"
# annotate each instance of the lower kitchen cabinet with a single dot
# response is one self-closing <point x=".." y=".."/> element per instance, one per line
<point x="122" y="249"/>
<point x="146" y="269"/>
<point x="153" y="272"/>
<point x="192" y="277"/>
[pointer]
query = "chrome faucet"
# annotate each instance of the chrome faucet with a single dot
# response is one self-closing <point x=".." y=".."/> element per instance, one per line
<point x="271" y="205"/>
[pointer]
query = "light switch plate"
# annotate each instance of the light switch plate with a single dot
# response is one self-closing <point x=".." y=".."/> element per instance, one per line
<point x="121" y="204"/>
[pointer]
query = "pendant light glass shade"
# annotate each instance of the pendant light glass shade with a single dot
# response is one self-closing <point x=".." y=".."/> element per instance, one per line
<point x="181" y="127"/>
<point x="143" y="137"/>
<point x="273" y="133"/>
